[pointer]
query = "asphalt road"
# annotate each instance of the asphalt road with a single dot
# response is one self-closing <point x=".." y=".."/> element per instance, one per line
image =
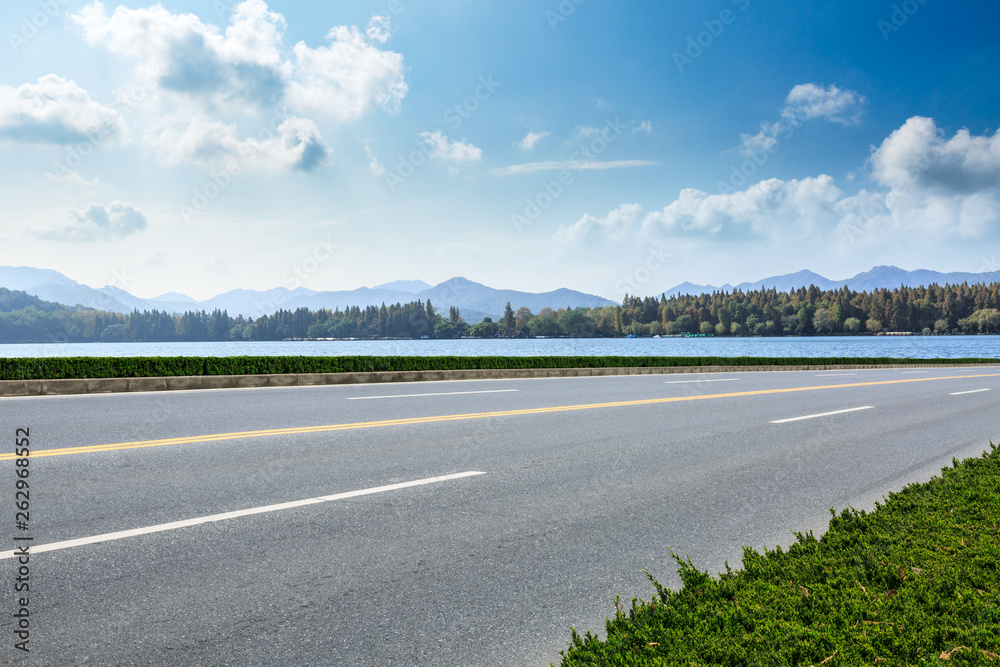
<point x="585" y="483"/>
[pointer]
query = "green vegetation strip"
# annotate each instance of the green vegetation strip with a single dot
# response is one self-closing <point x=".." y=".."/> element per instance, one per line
<point x="915" y="581"/>
<point x="123" y="367"/>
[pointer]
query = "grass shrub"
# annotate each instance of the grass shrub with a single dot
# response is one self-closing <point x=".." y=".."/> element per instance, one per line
<point x="916" y="581"/>
<point x="120" y="367"/>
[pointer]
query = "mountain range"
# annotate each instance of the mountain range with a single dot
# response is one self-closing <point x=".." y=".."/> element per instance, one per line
<point x="475" y="300"/>
<point x="880" y="277"/>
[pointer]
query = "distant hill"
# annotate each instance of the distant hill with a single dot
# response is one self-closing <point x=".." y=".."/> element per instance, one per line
<point x="472" y="296"/>
<point x="55" y="287"/>
<point x="891" y="276"/>
<point x="880" y="277"/>
<point x="474" y="300"/>
<point x="15" y="300"/>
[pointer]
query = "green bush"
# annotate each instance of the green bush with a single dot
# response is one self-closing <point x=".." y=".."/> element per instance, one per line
<point x="915" y="581"/>
<point x="121" y="367"/>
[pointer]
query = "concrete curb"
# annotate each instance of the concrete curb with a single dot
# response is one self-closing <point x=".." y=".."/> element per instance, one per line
<point x="180" y="383"/>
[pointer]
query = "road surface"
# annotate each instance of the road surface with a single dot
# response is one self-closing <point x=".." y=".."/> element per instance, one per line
<point x="493" y="515"/>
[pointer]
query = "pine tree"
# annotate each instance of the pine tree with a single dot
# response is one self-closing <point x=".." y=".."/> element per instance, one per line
<point x="508" y="324"/>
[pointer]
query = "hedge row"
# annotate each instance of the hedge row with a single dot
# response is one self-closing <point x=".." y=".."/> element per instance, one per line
<point x="116" y="367"/>
<point x="915" y="581"/>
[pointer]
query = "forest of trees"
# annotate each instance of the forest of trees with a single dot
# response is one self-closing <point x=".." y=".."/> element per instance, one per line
<point x="806" y="311"/>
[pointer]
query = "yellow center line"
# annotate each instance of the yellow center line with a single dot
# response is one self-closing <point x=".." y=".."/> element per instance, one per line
<point x="476" y="415"/>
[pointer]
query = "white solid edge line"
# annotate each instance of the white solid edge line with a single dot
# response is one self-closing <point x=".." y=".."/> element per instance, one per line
<point x="697" y="381"/>
<point x="835" y="375"/>
<point x="443" y="393"/>
<point x="963" y="393"/>
<point x="225" y="516"/>
<point x="822" y="414"/>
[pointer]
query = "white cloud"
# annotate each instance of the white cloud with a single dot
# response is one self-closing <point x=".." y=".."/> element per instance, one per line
<point x="378" y="29"/>
<point x="766" y="140"/>
<point x="616" y="225"/>
<point x="207" y="81"/>
<point x="806" y="101"/>
<point x="938" y="185"/>
<point x="917" y="156"/>
<point x="375" y="168"/>
<point x="344" y="79"/>
<point x="531" y="139"/>
<point x="54" y="111"/>
<point x="810" y="101"/>
<point x="571" y="165"/>
<point x="930" y="188"/>
<point x="645" y="127"/>
<point x="193" y="60"/>
<point x="453" y="151"/>
<point x="771" y="208"/>
<point x="254" y="35"/>
<point x="585" y="132"/>
<point x="98" y="222"/>
<point x="296" y="145"/>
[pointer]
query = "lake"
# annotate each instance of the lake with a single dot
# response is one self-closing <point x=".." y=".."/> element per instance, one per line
<point x="917" y="347"/>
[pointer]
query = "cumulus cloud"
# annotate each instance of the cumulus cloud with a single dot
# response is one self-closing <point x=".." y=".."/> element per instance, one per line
<point x="810" y="101"/>
<point x="54" y="111"/>
<point x="345" y="78"/>
<point x="929" y="188"/>
<point x="378" y="29"/>
<point x="917" y="156"/>
<point x="297" y="144"/>
<point x="768" y="209"/>
<point x="98" y="222"/>
<point x="192" y="59"/>
<point x="453" y="151"/>
<point x="208" y="79"/>
<point x="531" y="139"/>
<point x="936" y="184"/>
<point x="805" y="102"/>
<point x="761" y="210"/>
<point x="616" y="225"/>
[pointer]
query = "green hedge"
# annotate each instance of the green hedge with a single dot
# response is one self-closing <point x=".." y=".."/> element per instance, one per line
<point x="115" y="367"/>
<point x="915" y="581"/>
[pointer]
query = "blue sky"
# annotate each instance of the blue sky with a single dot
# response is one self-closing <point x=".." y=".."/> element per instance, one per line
<point x="608" y="147"/>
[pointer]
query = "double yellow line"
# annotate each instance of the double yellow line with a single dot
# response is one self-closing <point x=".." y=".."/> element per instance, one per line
<point x="237" y="435"/>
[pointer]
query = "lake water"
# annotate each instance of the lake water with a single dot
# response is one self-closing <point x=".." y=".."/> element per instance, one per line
<point x="917" y="347"/>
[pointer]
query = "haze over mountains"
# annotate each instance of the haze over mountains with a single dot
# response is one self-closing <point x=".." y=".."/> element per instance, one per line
<point x="475" y="300"/>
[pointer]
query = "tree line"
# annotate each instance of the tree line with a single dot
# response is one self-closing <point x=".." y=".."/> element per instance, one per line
<point x="807" y="311"/>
